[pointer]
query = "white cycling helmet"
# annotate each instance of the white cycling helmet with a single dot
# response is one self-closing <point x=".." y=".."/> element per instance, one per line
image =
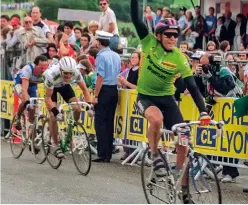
<point x="68" y="64"/>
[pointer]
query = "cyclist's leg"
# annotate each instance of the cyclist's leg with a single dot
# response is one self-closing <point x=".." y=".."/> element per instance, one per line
<point x="148" y="108"/>
<point x="32" y="92"/>
<point x="20" y="110"/>
<point x="53" y="126"/>
<point x="172" y="116"/>
<point x="155" y="118"/>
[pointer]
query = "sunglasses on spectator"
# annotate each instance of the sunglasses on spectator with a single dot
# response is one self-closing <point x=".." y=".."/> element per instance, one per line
<point x="26" y="22"/>
<point x="169" y="34"/>
<point x="103" y="4"/>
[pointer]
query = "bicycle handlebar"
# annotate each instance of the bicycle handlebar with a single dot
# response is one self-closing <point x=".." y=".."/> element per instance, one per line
<point x="180" y="126"/>
<point x="32" y="100"/>
<point x="177" y="129"/>
<point x="90" y="107"/>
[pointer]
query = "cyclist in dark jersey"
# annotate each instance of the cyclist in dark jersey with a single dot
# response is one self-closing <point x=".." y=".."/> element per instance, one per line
<point x="161" y="61"/>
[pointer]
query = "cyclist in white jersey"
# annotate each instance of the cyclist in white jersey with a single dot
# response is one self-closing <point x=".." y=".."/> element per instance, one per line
<point x="57" y="79"/>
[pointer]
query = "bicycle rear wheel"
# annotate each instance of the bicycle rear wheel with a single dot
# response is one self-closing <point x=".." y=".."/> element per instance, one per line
<point x="80" y="148"/>
<point x="38" y="151"/>
<point x="18" y="138"/>
<point x="156" y="190"/>
<point x="204" y="186"/>
<point x="48" y="147"/>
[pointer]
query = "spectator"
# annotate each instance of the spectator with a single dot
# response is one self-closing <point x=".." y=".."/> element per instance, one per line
<point x="184" y="46"/>
<point x="85" y="44"/>
<point x="108" y="64"/>
<point x="211" y="22"/>
<point x="175" y="16"/>
<point x="81" y="57"/>
<point x="60" y="29"/>
<point x="51" y="51"/>
<point x="65" y="49"/>
<point x="243" y="46"/>
<point x="93" y="27"/>
<point x="159" y="15"/>
<point x="93" y="52"/>
<point x="89" y="76"/>
<point x="4" y="21"/>
<point x="149" y="18"/>
<point x="230" y="27"/>
<point x="128" y="79"/>
<point x="68" y="30"/>
<point x="240" y="30"/>
<point x="12" y="36"/>
<point x="37" y="21"/>
<point x="33" y="39"/>
<point x="224" y="47"/>
<point x="108" y="23"/>
<point x="187" y="31"/>
<point x="199" y="27"/>
<point x="166" y="13"/>
<point x="78" y="34"/>
<point x="183" y="24"/>
<point x="211" y="46"/>
<point x="221" y="31"/>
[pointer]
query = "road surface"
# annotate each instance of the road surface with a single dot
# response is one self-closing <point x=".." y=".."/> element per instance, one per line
<point x="25" y="181"/>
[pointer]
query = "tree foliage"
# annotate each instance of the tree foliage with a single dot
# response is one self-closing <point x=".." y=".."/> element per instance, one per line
<point x="50" y="8"/>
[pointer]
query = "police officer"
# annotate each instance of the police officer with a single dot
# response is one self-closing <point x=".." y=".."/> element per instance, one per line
<point x="108" y="65"/>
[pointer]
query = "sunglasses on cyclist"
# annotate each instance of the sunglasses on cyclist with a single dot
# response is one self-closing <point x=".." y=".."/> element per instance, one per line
<point x="169" y="34"/>
<point x="103" y="4"/>
<point x="67" y="73"/>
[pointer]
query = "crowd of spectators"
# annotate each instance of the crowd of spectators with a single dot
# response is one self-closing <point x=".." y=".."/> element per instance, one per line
<point x="221" y="35"/>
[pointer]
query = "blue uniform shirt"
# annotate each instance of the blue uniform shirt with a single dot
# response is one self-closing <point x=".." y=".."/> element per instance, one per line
<point x="108" y="65"/>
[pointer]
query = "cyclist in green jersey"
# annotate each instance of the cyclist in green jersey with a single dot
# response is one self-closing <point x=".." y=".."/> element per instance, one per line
<point x="160" y="62"/>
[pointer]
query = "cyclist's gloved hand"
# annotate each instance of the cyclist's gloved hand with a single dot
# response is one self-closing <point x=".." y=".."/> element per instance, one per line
<point x="57" y="114"/>
<point x="90" y="110"/>
<point x="205" y="119"/>
<point x="60" y="117"/>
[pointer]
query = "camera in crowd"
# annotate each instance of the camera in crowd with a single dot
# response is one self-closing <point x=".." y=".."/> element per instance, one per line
<point x="214" y="65"/>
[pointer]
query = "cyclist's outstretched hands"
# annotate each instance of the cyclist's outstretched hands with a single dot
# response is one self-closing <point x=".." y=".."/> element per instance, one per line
<point x="205" y="119"/>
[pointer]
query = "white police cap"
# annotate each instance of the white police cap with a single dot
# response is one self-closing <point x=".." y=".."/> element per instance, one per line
<point x="103" y="35"/>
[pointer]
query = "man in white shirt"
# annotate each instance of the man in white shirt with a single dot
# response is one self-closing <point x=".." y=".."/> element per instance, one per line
<point x="108" y="23"/>
<point x="37" y="21"/>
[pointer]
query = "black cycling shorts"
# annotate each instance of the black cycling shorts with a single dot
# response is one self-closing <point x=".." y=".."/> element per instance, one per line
<point x="166" y="104"/>
<point x="66" y="92"/>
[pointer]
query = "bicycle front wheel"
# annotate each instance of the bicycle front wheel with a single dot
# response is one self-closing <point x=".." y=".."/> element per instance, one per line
<point x="18" y="138"/>
<point x="157" y="190"/>
<point x="47" y="146"/>
<point x="80" y="148"/>
<point x="204" y="187"/>
<point x="38" y="151"/>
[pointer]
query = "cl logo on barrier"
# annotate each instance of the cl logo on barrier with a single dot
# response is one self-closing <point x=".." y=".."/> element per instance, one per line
<point x="3" y="106"/>
<point x="204" y="137"/>
<point x="136" y="125"/>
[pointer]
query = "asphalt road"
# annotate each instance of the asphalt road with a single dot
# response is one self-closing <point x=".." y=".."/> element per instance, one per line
<point x="25" y="181"/>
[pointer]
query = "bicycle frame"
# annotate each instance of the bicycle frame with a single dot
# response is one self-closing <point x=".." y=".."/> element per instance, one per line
<point x="29" y="126"/>
<point x="70" y="121"/>
<point x="177" y="129"/>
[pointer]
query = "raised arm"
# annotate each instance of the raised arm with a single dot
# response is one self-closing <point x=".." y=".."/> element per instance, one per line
<point x="138" y="23"/>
